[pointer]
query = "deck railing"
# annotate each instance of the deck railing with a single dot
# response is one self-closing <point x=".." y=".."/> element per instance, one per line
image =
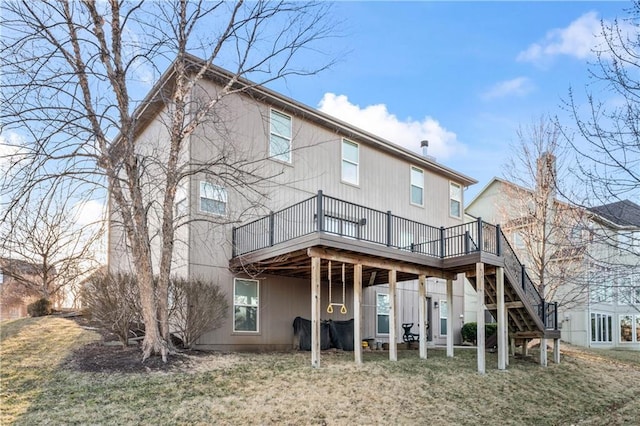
<point x="322" y="213"/>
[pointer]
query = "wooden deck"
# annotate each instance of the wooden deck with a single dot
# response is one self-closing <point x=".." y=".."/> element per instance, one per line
<point x="479" y="250"/>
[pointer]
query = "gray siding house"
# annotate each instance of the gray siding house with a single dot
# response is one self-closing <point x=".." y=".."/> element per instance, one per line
<point x="599" y="300"/>
<point x="332" y="210"/>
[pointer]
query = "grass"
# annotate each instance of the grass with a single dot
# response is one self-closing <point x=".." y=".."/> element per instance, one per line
<point x="587" y="387"/>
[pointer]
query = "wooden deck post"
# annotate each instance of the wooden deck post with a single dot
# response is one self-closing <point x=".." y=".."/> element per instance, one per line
<point x="543" y="352"/>
<point x="422" y="314"/>
<point x="357" y="312"/>
<point x="449" y="318"/>
<point x="556" y="351"/>
<point x="502" y="327"/>
<point x="315" y="312"/>
<point x="480" y="316"/>
<point x="393" y="317"/>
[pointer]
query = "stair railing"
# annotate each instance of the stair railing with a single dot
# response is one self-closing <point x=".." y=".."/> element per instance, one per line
<point x="547" y="312"/>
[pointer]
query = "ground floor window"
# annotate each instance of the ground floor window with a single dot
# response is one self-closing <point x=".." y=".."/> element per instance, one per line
<point x="443" y="317"/>
<point x="382" y="313"/>
<point x="245" y="305"/>
<point x="601" y="328"/>
<point x="629" y="328"/>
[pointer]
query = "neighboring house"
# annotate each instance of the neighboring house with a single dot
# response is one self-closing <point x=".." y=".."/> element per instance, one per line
<point x="14" y="294"/>
<point x="596" y="259"/>
<point x="611" y="316"/>
<point x="343" y="210"/>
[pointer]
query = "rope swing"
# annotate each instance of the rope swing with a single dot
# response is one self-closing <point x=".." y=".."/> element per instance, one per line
<point x="343" y="307"/>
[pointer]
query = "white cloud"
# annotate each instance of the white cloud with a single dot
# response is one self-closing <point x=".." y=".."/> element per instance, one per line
<point x="519" y="86"/>
<point x="89" y="212"/>
<point x="579" y="39"/>
<point x="11" y="144"/>
<point x="407" y="133"/>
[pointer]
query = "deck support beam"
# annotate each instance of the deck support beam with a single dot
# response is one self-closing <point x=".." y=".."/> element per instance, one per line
<point x="315" y="312"/>
<point x="556" y="351"/>
<point x="501" y="314"/>
<point x="543" y="351"/>
<point x="480" y="317"/>
<point x="357" y="313"/>
<point x="450" y="318"/>
<point x="393" y="316"/>
<point x="422" y="314"/>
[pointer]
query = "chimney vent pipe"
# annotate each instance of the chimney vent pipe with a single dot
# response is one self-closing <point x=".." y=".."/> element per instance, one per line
<point x="425" y="147"/>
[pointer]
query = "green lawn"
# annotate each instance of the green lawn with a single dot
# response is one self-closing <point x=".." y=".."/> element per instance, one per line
<point x="588" y="387"/>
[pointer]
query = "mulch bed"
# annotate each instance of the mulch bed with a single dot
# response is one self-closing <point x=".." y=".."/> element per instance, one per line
<point x="107" y="356"/>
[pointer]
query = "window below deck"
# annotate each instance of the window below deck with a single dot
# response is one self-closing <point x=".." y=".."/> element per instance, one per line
<point x="245" y="305"/>
<point x="382" y="313"/>
<point x="443" y="317"/>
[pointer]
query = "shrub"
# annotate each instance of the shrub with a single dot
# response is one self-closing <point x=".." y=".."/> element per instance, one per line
<point x="490" y="329"/>
<point x="39" y="308"/>
<point x="112" y="300"/>
<point x="470" y="331"/>
<point x="197" y="306"/>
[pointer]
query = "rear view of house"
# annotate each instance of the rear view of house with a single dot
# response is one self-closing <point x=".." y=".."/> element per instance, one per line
<point x="335" y="223"/>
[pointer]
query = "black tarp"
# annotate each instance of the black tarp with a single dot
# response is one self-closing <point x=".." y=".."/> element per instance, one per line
<point x="333" y="334"/>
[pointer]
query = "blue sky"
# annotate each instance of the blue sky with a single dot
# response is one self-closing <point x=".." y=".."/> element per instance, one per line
<point x="464" y="75"/>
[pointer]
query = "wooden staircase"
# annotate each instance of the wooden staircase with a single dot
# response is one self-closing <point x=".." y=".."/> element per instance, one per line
<point x="528" y="315"/>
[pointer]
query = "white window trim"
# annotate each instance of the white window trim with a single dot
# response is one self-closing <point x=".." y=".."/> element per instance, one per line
<point x="452" y="183"/>
<point x="200" y="196"/>
<point x="342" y="160"/>
<point x="411" y="185"/>
<point x="233" y="310"/>
<point x="606" y="338"/>
<point x="378" y="314"/>
<point x="290" y="138"/>
<point x="634" y="331"/>
<point x="445" y="317"/>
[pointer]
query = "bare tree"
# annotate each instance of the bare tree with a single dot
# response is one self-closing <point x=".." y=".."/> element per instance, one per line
<point x="71" y="73"/>
<point x="544" y="230"/>
<point x="606" y="142"/>
<point x="58" y="248"/>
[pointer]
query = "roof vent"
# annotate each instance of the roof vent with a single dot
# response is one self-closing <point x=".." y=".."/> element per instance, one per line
<point x="425" y="148"/>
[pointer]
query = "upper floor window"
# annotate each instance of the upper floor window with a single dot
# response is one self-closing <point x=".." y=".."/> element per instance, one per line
<point x="629" y="241"/>
<point x="455" y="200"/>
<point x="350" y="162"/>
<point x="629" y="289"/>
<point x="245" y="305"/>
<point x="280" y="137"/>
<point x="518" y="240"/>
<point x="213" y="198"/>
<point x="417" y="186"/>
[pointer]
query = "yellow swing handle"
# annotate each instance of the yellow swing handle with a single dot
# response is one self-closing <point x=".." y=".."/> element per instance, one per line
<point x="330" y="307"/>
